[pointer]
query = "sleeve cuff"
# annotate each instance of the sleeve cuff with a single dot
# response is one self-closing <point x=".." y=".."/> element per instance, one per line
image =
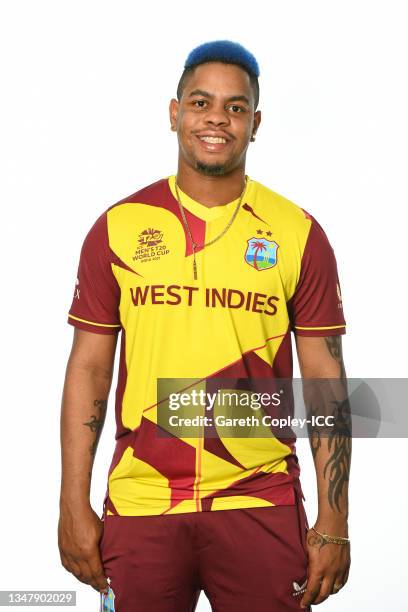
<point x="93" y="326"/>
<point x="328" y="330"/>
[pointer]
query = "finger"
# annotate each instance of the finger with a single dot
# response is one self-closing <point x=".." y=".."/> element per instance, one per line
<point x="337" y="584"/>
<point x="70" y="564"/>
<point x="64" y="561"/>
<point x="343" y="578"/>
<point x="312" y="590"/>
<point x="87" y="571"/>
<point x="346" y="575"/>
<point x="81" y="569"/>
<point x="94" y="577"/>
<point x="84" y="575"/>
<point x="326" y="589"/>
<point x="100" y="582"/>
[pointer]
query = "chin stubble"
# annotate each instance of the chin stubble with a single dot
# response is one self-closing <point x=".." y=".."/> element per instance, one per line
<point x="211" y="169"/>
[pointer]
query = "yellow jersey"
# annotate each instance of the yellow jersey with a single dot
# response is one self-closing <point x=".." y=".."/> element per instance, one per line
<point x="272" y="273"/>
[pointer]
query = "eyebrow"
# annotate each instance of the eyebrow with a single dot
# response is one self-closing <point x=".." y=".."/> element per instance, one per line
<point x="206" y="94"/>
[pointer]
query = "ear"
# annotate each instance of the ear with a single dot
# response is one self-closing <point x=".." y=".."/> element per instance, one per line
<point x="173" y="112"/>
<point x="257" y="121"/>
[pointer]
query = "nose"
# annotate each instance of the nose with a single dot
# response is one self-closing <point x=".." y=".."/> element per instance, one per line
<point x="217" y="115"/>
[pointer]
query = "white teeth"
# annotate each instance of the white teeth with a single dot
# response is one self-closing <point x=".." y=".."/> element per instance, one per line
<point x="213" y="139"/>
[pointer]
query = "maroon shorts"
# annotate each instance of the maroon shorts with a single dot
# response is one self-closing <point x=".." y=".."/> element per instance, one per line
<point x="245" y="560"/>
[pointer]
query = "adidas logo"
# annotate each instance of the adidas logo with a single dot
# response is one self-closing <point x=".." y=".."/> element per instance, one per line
<point x="299" y="588"/>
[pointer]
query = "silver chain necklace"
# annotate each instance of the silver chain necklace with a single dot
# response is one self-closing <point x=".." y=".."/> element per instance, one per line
<point x="226" y="228"/>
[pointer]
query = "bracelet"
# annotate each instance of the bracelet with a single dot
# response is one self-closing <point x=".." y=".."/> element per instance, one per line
<point x="332" y="539"/>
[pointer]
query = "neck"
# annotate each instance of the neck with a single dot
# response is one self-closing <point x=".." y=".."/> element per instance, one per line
<point x="211" y="190"/>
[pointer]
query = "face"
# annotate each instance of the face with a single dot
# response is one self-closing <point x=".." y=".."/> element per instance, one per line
<point x="215" y="118"/>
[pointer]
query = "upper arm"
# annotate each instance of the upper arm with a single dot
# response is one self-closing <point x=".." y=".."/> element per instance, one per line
<point x="320" y="357"/>
<point x="93" y="352"/>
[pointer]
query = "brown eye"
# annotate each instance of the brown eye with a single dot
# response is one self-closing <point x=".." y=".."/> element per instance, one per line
<point x="199" y="103"/>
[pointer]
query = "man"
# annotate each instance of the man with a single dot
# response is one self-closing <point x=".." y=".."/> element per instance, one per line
<point x="205" y="274"/>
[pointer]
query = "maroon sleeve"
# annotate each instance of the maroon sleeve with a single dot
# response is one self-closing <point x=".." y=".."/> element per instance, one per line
<point x="95" y="304"/>
<point x="316" y="307"/>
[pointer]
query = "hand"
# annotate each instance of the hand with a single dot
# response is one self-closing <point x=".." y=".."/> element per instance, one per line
<point x="79" y="533"/>
<point x="329" y="565"/>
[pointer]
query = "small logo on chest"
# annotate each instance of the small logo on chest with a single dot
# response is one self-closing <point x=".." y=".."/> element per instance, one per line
<point x="151" y="246"/>
<point x="261" y="253"/>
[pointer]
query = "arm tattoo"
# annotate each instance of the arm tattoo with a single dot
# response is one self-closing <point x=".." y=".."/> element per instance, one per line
<point x="339" y="440"/>
<point x="314" y="432"/>
<point x="329" y="397"/>
<point x="333" y="343"/>
<point x="339" y="444"/>
<point x="96" y="422"/>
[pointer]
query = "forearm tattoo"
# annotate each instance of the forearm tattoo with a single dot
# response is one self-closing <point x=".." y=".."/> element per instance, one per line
<point x="96" y="422"/>
<point x="314" y="432"/>
<point x="321" y="400"/>
<point x="337" y="467"/>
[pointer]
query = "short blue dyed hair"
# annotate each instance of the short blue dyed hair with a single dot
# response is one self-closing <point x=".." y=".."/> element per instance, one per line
<point x="227" y="52"/>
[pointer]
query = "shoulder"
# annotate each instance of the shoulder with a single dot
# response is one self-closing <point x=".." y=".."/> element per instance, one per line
<point x="293" y="224"/>
<point x="154" y="194"/>
<point x="151" y="194"/>
<point x="281" y="209"/>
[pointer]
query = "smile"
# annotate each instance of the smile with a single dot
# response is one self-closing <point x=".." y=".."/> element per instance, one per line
<point x="213" y="144"/>
<point x="213" y="139"/>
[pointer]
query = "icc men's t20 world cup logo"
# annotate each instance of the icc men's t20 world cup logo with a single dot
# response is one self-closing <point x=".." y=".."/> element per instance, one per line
<point x="151" y="246"/>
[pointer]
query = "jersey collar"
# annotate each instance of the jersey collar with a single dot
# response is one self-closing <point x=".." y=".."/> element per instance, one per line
<point x="202" y="211"/>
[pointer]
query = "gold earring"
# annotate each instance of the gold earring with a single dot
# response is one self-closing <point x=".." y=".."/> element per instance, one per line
<point x="253" y="138"/>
